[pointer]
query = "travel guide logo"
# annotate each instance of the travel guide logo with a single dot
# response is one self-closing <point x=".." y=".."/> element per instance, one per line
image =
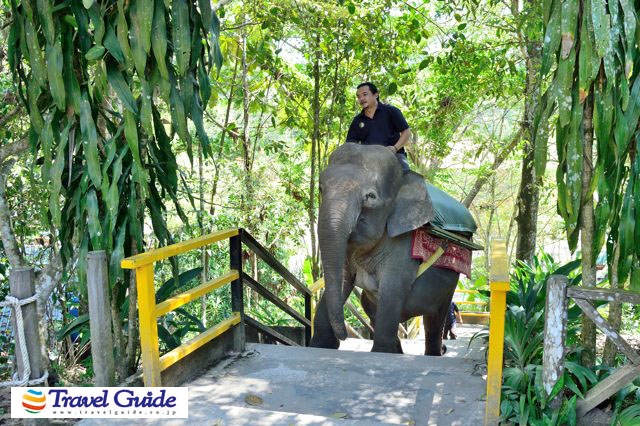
<point x="100" y="402"/>
<point x="34" y="401"/>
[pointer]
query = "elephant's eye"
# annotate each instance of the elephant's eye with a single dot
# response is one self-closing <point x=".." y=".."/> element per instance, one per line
<point x="371" y="196"/>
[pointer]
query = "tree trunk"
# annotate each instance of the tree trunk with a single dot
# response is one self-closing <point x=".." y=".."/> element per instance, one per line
<point x="204" y="257"/>
<point x="132" y="327"/>
<point x="529" y="192"/>
<point x="216" y="176"/>
<point x="315" y="141"/>
<point x="587" y="232"/>
<point x="8" y="236"/>
<point x="615" y="311"/>
<point x="247" y="197"/>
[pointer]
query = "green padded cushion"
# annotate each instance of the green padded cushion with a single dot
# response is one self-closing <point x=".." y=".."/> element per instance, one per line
<point x="450" y="214"/>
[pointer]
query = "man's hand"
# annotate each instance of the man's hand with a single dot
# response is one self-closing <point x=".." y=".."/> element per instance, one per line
<point x="392" y="148"/>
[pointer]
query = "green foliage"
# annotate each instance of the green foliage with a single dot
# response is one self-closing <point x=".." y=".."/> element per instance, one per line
<point x="104" y="159"/>
<point x="594" y="62"/>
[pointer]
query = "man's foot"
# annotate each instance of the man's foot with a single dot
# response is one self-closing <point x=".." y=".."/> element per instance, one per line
<point x="453" y="336"/>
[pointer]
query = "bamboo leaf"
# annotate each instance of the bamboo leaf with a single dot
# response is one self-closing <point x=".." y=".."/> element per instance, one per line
<point x="122" y="89"/>
<point x="601" y="26"/>
<point x="71" y="84"/>
<point x="564" y="78"/>
<point x="90" y="141"/>
<point x="93" y="220"/>
<point x="551" y="39"/>
<point x="55" y="176"/>
<point x="136" y="38"/>
<point x="568" y="26"/>
<point x="181" y="35"/>
<point x="159" y="39"/>
<point x="146" y="121"/>
<point x="142" y="15"/>
<point x="36" y="62"/>
<point x="122" y="33"/>
<point x="95" y="53"/>
<point x="112" y="45"/>
<point x="46" y="19"/>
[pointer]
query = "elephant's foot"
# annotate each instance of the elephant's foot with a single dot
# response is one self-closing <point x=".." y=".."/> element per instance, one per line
<point x="392" y="348"/>
<point x="324" y="341"/>
<point x="434" y="346"/>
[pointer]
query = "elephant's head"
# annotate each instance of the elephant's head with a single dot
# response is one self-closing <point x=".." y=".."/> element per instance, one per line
<point x="365" y="197"/>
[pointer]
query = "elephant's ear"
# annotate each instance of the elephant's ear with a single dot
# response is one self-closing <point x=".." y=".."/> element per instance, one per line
<point x="412" y="207"/>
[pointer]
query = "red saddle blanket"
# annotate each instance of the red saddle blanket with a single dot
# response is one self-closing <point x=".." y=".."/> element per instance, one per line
<point x="455" y="257"/>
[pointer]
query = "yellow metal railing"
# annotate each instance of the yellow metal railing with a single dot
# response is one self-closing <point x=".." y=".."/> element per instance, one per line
<point x="149" y="311"/>
<point x="499" y="278"/>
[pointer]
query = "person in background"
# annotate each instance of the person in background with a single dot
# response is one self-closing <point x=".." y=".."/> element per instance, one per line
<point x="453" y="318"/>
<point x="379" y="124"/>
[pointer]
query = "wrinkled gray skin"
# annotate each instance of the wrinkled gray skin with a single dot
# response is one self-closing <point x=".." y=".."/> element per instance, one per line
<point x="368" y="211"/>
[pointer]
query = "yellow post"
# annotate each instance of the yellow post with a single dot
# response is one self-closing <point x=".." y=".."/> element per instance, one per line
<point x="148" y="325"/>
<point x="499" y="276"/>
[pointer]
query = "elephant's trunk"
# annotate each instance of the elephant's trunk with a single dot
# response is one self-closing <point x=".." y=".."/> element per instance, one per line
<point x="336" y="221"/>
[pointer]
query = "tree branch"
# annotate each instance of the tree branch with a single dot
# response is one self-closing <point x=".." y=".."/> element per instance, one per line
<point x="7" y="118"/>
<point x="12" y="149"/>
<point x="496" y="163"/>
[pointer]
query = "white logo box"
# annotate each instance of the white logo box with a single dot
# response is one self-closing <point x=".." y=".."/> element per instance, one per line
<point x="100" y="402"/>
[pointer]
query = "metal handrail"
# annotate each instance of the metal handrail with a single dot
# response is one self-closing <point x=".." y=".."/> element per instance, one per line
<point x="149" y="311"/>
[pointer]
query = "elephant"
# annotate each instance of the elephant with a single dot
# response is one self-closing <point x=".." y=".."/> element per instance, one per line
<point x="369" y="208"/>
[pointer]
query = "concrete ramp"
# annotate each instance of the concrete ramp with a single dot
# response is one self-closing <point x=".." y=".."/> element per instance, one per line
<point x="344" y="385"/>
<point x="283" y="385"/>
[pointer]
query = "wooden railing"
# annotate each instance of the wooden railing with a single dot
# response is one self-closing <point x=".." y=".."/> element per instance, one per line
<point x="555" y="329"/>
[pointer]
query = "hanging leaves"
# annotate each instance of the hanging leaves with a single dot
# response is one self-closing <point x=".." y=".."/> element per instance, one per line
<point x="91" y="68"/>
<point x="605" y="66"/>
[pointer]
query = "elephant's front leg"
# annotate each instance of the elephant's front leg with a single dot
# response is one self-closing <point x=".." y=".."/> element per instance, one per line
<point x="323" y="335"/>
<point x="391" y="295"/>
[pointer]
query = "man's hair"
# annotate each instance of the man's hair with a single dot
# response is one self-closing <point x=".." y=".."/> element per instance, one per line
<point x="372" y="87"/>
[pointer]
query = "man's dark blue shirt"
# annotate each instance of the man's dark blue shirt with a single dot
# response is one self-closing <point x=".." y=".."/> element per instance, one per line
<point x="383" y="129"/>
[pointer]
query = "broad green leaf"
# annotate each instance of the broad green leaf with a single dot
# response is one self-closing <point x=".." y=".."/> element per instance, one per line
<point x="393" y="87"/>
<point x="113" y="45"/>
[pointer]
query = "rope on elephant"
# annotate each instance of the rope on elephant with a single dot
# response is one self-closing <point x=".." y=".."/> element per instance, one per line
<point x="16" y="304"/>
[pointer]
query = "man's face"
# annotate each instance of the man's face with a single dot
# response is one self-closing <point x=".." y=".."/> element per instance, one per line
<point x="365" y="97"/>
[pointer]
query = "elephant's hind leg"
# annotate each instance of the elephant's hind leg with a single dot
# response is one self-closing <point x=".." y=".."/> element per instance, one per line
<point x="434" y="324"/>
